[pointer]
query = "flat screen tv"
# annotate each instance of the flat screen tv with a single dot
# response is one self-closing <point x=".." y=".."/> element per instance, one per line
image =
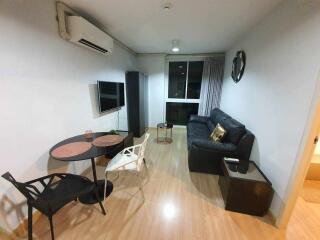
<point x="110" y="95"/>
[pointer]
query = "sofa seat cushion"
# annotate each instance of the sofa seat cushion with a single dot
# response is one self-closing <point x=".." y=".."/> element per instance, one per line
<point x="198" y="130"/>
<point x="235" y="130"/>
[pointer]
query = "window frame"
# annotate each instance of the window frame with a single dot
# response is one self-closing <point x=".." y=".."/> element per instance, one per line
<point x="175" y="58"/>
<point x="180" y="59"/>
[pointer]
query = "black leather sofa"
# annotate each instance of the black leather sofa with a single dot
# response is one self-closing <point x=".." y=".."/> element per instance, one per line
<point x="204" y="155"/>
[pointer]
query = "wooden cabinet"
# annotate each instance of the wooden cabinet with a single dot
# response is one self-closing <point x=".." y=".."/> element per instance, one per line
<point x="249" y="193"/>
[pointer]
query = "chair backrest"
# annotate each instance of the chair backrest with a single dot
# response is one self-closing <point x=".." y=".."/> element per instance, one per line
<point x="29" y="191"/>
<point x="142" y="150"/>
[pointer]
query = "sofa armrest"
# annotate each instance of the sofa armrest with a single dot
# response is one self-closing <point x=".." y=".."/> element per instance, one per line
<point x="245" y="145"/>
<point x="214" y="146"/>
<point x="200" y="119"/>
<point x="205" y="156"/>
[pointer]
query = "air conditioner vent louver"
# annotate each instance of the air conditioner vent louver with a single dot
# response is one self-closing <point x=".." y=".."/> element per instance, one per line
<point x="92" y="45"/>
<point x="88" y="35"/>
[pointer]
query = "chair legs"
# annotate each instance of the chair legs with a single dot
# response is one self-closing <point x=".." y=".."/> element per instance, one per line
<point x="141" y="184"/>
<point x="100" y="201"/>
<point x="51" y="227"/>
<point x="29" y="222"/>
<point x="147" y="169"/>
<point x="145" y="163"/>
<point x="106" y="180"/>
<point x="105" y="186"/>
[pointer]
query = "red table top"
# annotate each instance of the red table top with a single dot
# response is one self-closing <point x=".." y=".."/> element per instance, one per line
<point x="107" y="140"/>
<point x="71" y="149"/>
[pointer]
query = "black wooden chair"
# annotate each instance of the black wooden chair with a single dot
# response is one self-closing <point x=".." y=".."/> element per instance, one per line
<point x="50" y="193"/>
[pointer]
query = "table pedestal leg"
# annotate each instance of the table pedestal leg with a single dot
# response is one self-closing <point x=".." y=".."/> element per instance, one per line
<point x="96" y="192"/>
<point x="94" y="172"/>
<point x="97" y="195"/>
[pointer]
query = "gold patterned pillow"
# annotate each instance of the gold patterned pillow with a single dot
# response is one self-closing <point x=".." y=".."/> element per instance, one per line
<point x="218" y="133"/>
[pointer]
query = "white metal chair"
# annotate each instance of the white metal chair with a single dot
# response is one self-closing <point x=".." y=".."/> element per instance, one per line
<point x="129" y="159"/>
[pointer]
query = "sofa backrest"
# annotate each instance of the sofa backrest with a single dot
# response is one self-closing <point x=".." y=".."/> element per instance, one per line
<point x="217" y="116"/>
<point x="235" y="130"/>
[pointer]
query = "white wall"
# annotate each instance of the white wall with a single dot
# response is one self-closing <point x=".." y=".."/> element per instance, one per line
<point x="154" y="66"/>
<point x="274" y="96"/>
<point x="47" y="94"/>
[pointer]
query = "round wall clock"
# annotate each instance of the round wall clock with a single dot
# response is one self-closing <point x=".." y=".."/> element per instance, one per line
<point x="238" y="66"/>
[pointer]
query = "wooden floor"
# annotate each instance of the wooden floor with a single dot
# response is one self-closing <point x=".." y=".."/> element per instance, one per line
<point x="179" y="205"/>
<point x="311" y="191"/>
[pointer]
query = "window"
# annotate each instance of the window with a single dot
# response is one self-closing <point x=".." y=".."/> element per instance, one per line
<point x="194" y="80"/>
<point x="185" y="79"/>
<point x="184" y="85"/>
<point x="177" y="79"/>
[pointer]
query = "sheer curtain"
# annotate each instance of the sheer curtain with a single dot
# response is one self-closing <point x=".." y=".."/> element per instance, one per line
<point x="211" y="85"/>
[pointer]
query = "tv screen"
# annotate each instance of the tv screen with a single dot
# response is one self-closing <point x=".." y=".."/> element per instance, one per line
<point x="110" y="95"/>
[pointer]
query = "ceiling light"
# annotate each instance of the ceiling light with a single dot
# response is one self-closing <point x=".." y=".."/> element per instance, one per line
<point x="175" y="46"/>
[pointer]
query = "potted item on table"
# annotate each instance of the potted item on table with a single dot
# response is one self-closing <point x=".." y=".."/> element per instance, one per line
<point x="88" y="134"/>
<point x="114" y="132"/>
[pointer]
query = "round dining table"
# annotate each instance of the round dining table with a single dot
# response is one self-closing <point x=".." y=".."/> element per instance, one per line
<point x="87" y="149"/>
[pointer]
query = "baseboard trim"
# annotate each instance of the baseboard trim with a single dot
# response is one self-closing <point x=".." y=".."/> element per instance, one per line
<point x="272" y="217"/>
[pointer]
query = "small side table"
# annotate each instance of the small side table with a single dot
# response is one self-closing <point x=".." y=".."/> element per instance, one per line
<point x="166" y="127"/>
<point x="249" y="193"/>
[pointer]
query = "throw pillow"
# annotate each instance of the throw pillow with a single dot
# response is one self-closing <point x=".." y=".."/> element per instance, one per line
<point x="218" y="133"/>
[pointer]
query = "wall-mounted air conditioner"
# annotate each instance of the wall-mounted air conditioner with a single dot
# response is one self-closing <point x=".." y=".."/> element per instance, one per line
<point x="87" y="35"/>
<point x="76" y="29"/>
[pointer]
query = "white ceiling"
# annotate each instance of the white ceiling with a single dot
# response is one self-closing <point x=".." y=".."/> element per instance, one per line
<point x="202" y="26"/>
